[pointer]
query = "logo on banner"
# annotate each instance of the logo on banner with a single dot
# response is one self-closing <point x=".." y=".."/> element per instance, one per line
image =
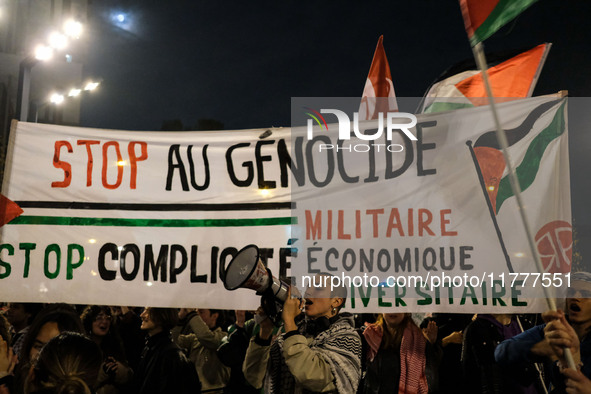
<point x="390" y="121"/>
<point x="555" y="246"/>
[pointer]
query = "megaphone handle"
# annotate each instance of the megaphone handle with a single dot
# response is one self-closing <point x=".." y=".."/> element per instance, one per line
<point x="271" y="307"/>
<point x="269" y="303"/>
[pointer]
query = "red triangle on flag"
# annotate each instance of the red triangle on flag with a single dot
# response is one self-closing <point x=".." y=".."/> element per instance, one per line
<point x="8" y="210"/>
<point x="482" y="18"/>
<point x="475" y="12"/>
<point x="378" y="93"/>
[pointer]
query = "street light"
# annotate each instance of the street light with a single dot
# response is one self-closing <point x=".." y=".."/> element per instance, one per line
<point x="91" y="86"/>
<point x="42" y="53"/>
<point x="73" y="28"/>
<point x="74" y="92"/>
<point x="57" y="98"/>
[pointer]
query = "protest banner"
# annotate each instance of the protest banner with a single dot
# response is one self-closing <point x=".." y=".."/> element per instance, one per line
<point x="119" y="217"/>
<point x="152" y="218"/>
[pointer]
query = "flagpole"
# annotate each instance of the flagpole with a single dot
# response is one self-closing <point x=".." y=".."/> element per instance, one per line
<point x="490" y="207"/>
<point x="478" y="52"/>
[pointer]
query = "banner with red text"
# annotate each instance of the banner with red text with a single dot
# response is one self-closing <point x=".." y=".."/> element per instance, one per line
<point x="152" y="218"/>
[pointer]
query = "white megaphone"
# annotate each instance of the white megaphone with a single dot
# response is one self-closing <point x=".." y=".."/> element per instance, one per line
<point x="247" y="270"/>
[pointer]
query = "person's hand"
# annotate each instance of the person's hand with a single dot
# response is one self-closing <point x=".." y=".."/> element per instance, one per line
<point x="560" y="335"/>
<point x="576" y="382"/>
<point x="240" y="318"/>
<point x="550" y="315"/>
<point x="111" y="366"/>
<point x="291" y="308"/>
<point x="8" y="359"/>
<point x="266" y="325"/>
<point x="455" y="337"/>
<point x="115" y="311"/>
<point x="183" y="312"/>
<point x="430" y="332"/>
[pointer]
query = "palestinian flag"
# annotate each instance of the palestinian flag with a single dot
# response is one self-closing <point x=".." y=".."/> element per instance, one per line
<point x="378" y="93"/>
<point x="538" y="147"/>
<point x="512" y="75"/>
<point x="482" y="18"/>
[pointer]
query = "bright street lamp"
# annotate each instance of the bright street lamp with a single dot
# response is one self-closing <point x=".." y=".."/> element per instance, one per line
<point x="56" y="98"/>
<point x="91" y="86"/>
<point x="74" y="92"/>
<point x="42" y="53"/>
<point x="73" y="28"/>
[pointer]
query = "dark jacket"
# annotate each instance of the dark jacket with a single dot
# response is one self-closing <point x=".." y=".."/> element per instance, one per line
<point x="450" y="367"/>
<point x="131" y="337"/>
<point x="482" y="373"/>
<point x="164" y="368"/>
<point x="232" y="352"/>
<point x="516" y="351"/>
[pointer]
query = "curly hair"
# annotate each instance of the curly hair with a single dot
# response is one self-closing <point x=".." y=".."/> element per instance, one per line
<point x="111" y="345"/>
<point x="90" y="313"/>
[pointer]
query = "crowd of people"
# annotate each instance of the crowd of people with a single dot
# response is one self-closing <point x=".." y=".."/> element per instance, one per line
<point x="315" y="347"/>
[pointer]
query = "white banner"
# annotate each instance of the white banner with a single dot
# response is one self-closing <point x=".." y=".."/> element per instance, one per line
<point x="435" y="226"/>
<point x="151" y="218"/>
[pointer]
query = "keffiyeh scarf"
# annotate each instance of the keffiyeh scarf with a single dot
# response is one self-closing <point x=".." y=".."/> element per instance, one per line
<point x="338" y="345"/>
<point x="412" y="357"/>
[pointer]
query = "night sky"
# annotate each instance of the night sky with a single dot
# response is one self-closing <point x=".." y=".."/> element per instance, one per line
<point x="240" y="62"/>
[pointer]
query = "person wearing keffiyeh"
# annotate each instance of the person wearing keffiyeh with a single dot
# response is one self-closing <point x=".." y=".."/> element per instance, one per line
<point x="319" y="353"/>
<point x="400" y="357"/>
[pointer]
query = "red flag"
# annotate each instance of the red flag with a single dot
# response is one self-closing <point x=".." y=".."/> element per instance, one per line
<point x="378" y="85"/>
<point x="8" y="210"/>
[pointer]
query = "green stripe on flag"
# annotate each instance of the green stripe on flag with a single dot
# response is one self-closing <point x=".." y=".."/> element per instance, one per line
<point x="441" y="106"/>
<point x="526" y="171"/>
<point x="504" y="12"/>
<point x="120" y="222"/>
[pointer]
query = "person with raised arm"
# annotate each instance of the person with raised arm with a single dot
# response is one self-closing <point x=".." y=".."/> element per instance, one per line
<point x="546" y="343"/>
<point x="318" y="352"/>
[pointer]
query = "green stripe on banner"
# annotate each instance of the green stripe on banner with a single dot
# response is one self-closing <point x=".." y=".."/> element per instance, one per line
<point x="526" y="171"/>
<point x="119" y="222"/>
<point x="504" y="12"/>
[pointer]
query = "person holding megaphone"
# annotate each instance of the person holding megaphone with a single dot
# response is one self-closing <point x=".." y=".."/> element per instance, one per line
<point x="319" y="351"/>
